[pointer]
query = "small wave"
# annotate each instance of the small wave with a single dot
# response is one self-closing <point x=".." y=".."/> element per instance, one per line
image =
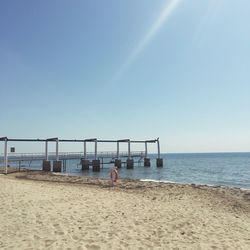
<point x="208" y="185"/>
<point x="151" y="180"/>
<point x="60" y="174"/>
<point x="244" y="189"/>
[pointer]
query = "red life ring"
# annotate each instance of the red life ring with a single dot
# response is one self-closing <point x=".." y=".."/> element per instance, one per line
<point x="116" y="175"/>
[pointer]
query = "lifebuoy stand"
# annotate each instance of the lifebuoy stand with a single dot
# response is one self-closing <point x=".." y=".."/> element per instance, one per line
<point x="113" y="170"/>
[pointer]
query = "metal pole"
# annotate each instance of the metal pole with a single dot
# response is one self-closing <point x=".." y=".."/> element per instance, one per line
<point x="95" y="149"/>
<point x="85" y="151"/>
<point x="158" y="144"/>
<point x="46" y="151"/>
<point x="6" y="157"/>
<point x="146" y="150"/>
<point x="57" y="155"/>
<point x="129" y="149"/>
<point x="118" y="150"/>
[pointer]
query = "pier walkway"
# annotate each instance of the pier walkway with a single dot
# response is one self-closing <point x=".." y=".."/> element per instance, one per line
<point x="16" y="157"/>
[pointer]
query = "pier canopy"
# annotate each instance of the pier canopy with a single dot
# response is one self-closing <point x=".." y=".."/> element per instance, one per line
<point x="75" y="140"/>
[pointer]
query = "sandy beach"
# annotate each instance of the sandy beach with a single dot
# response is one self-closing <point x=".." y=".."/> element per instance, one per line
<point x="47" y="211"/>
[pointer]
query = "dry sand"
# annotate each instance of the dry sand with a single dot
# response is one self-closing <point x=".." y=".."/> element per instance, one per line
<point x="46" y="211"/>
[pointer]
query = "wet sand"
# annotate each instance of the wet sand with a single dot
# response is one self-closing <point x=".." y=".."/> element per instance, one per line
<point x="48" y="211"/>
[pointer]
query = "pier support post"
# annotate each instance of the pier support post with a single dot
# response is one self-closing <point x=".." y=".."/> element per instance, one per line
<point x="57" y="166"/>
<point x="96" y="165"/>
<point x="159" y="161"/>
<point x="85" y="164"/>
<point x="117" y="151"/>
<point x="95" y="149"/>
<point x="46" y="165"/>
<point x="146" y="159"/>
<point x="46" y="151"/>
<point x="5" y="171"/>
<point x="118" y="163"/>
<point x="128" y="149"/>
<point x="57" y="154"/>
<point x="46" y="162"/>
<point x="146" y="162"/>
<point x="130" y="163"/>
<point x="85" y="151"/>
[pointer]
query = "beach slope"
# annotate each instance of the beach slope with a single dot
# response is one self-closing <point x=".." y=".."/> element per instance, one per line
<point x="47" y="211"/>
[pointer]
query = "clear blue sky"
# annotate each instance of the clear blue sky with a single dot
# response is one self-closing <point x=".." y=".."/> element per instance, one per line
<point x="139" y="69"/>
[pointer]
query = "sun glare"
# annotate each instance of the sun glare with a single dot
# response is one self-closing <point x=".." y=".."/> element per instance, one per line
<point x="167" y="11"/>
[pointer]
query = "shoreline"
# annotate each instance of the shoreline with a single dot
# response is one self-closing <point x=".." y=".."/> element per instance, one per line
<point x="126" y="184"/>
<point x="60" y="178"/>
<point x="12" y="170"/>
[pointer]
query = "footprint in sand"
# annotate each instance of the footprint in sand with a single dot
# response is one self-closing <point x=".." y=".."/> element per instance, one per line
<point x="48" y="243"/>
<point x="59" y="232"/>
<point x="74" y="237"/>
<point x="93" y="247"/>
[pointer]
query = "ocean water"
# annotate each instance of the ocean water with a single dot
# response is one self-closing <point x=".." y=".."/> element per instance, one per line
<point x="222" y="169"/>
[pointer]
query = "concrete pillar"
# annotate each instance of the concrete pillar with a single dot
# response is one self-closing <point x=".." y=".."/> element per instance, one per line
<point x="46" y="151"/>
<point x="46" y="165"/>
<point x="129" y="149"/>
<point x="85" y="164"/>
<point x="117" y="153"/>
<point x="46" y="162"/>
<point x="146" y="162"/>
<point x="146" y="150"/>
<point x="130" y="163"/>
<point x="158" y="145"/>
<point x="5" y="171"/>
<point x="95" y="149"/>
<point x="57" y="166"/>
<point x="85" y="150"/>
<point x="57" y="153"/>
<point x="96" y="165"/>
<point x="159" y="161"/>
<point x="118" y="163"/>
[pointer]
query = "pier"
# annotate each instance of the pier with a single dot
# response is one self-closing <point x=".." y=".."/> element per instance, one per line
<point x="95" y="159"/>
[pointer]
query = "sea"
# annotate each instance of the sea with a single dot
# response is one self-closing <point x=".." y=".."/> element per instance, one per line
<point x="216" y="169"/>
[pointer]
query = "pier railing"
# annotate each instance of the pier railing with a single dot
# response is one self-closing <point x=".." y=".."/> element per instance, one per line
<point x="14" y="157"/>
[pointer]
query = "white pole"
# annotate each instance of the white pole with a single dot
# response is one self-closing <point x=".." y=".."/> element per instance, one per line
<point x="6" y="157"/>
<point x="95" y="149"/>
<point x="118" y="150"/>
<point x="46" y="151"/>
<point x="129" y="149"/>
<point x="158" y="144"/>
<point x="85" y="151"/>
<point x="57" y="155"/>
<point x="146" y="150"/>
